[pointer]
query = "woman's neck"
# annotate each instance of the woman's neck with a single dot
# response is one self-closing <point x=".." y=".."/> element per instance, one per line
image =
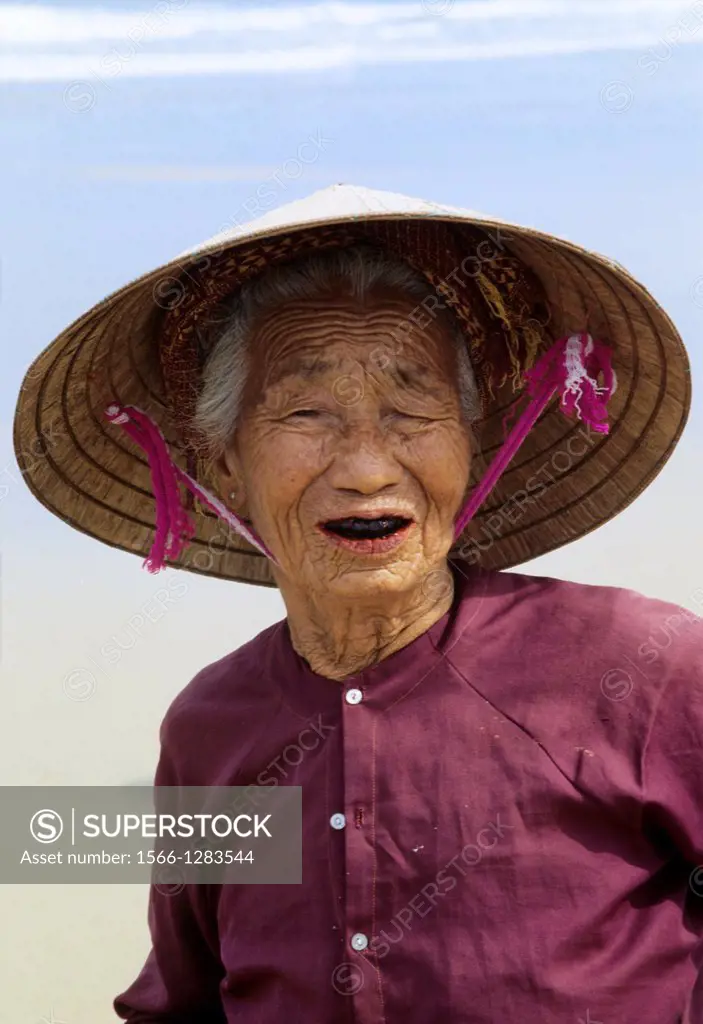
<point x="341" y="638"/>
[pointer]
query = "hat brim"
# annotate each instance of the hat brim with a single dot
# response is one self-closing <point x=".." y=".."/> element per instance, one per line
<point x="563" y="483"/>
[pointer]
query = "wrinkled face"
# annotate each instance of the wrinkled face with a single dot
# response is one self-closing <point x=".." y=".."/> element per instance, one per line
<point x="351" y="457"/>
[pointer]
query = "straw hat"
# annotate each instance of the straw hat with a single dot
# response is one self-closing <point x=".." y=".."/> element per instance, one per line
<point x="564" y="482"/>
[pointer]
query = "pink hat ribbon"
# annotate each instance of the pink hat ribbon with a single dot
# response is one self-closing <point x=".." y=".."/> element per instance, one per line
<point x="572" y="366"/>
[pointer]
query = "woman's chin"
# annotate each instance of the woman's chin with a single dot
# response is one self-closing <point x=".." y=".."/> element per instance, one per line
<point x="367" y="578"/>
<point x="331" y="570"/>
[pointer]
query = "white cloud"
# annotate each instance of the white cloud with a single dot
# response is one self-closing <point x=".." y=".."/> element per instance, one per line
<point x="172" y="38"/>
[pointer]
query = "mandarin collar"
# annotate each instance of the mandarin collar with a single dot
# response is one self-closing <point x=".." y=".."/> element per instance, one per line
<point x="306" y="692"/>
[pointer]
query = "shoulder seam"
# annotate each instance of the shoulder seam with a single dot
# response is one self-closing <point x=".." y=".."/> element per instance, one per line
<point x="586" y="793"/>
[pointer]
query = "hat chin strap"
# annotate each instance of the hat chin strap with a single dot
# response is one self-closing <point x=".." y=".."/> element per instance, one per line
<point x="174" y="527"/>
<point x="572" y="366"/>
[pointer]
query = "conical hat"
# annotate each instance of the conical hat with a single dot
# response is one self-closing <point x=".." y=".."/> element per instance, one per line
<point x="564" y="482"/>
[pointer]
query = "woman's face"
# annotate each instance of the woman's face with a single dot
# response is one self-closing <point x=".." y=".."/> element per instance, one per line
<point x="352" y="474"/>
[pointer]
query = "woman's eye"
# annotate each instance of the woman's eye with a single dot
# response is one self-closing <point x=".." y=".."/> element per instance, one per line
<point x="305" y="413"/>
<point x="410" y="416"/>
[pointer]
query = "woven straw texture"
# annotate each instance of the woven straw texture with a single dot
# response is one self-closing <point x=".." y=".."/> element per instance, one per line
<point x="563" y="483"/>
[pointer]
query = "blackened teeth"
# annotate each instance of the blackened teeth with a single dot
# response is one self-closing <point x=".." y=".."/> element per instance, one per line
<point x="353" y="528"/>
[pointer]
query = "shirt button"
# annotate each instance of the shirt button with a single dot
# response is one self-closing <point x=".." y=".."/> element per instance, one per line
<point x="359" y="941"/>
<point x="338" y="821"/>
<point x="353" y="696"/>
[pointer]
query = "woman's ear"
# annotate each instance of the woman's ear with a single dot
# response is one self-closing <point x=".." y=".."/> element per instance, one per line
<point x="228" y="472"/>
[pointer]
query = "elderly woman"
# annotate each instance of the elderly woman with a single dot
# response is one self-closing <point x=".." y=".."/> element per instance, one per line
<point x="376" y="404"/>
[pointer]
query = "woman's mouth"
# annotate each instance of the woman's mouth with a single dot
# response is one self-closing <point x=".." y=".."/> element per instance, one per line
<point x="367" y="535"/>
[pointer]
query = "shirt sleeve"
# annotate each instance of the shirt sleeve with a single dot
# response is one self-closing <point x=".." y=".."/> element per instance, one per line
<point x="673" y="757"/>
<point x="180" y="980"/>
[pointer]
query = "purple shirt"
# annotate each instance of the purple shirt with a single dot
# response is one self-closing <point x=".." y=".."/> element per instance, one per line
<point x="501" y="823"/>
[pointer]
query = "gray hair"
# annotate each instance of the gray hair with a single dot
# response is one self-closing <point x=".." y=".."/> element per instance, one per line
<point x="361" y="268"/>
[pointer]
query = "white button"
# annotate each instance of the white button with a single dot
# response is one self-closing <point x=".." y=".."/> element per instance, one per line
<point x="352" y="696"/>
<point x="338" y="821"/>
<point x="359" y="941"/>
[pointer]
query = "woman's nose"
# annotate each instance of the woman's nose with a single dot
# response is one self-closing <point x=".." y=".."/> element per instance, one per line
<point x="364" y="460"/>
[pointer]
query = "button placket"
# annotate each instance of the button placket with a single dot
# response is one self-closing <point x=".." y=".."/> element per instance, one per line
<point x="360" y="722"/>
